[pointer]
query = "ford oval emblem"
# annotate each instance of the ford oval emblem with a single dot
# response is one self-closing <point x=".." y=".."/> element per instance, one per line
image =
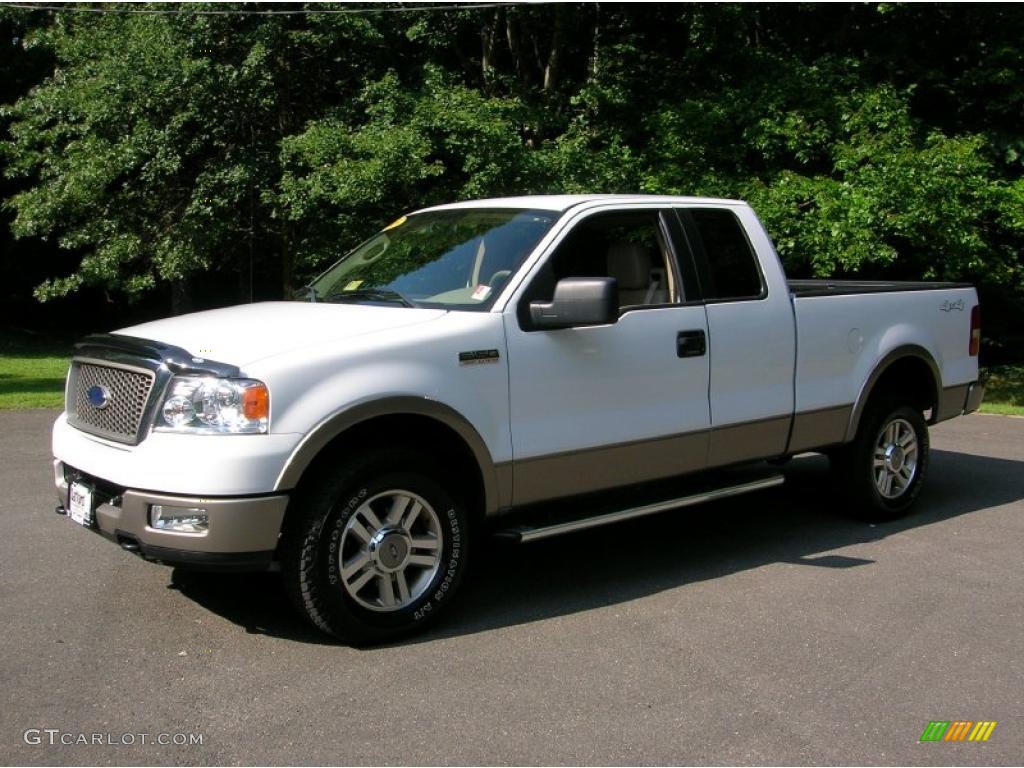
<point x="98" y="396"/>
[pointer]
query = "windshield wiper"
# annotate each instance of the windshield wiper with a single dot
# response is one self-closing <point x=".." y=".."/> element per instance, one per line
<point x="371" y="294"/>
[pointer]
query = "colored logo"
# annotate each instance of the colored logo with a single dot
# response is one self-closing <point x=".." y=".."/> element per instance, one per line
<point x="958" y="730"/>
<point x="98" y="397"/>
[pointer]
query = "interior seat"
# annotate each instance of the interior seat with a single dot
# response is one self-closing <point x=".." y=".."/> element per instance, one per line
<point x="639" y="282"/>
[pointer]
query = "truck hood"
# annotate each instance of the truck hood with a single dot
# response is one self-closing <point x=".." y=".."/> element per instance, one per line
<point x="244" y="334"/>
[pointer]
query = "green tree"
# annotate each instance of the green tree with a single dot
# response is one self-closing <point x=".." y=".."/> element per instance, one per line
<point x="153" y="141"/>
<point x="876" y="140"/>
<point x="436" y="142"/>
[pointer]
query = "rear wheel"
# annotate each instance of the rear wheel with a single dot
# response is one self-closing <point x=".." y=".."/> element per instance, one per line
<point x="376" y="549"/>
<point x="883" y="469"/>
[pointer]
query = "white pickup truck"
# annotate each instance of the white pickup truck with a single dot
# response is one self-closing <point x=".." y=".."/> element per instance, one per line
<point x="493" y="365"/>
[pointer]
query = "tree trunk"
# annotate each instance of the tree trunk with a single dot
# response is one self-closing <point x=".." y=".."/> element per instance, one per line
<point x="554" y="56"/>
<point x="488" y="42"/>
<point x="512" y="37"/>
<point x="287" y="264"/>
<point x="285" y="128"/>
<point x="181" y="297"/>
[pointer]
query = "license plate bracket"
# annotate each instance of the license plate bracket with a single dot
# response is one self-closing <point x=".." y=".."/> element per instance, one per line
<point x="82" y="504"/>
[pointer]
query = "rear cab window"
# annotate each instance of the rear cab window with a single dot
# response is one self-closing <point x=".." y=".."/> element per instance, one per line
<point x="727" y="266"/>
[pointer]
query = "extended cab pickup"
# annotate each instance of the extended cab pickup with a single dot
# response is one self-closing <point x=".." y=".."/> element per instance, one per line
<point x="494" y="364"/>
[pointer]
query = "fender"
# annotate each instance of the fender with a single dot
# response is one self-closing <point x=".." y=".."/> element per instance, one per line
<point x="497" y="478"/>
<point x="899" y="353"/>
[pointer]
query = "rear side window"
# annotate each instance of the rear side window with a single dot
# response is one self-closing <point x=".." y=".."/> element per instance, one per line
<point x="732" y="271"/>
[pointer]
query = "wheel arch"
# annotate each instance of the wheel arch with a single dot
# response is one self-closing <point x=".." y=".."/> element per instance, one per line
<point x="909" y="370"/>
<point x="491" y="488"/>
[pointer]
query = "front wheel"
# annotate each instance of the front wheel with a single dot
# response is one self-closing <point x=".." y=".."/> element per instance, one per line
<point x="377" y="548"/>
<point x="883" y="469"/>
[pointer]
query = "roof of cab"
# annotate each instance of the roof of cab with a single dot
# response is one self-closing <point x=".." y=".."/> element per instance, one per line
<point x="565" y="202"/>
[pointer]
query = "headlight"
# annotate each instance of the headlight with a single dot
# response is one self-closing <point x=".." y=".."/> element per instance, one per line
<point x="211" y="405"/>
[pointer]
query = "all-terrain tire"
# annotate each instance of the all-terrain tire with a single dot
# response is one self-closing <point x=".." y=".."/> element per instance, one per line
<point x="374" y="548"/>
<point x="882" y="471"/>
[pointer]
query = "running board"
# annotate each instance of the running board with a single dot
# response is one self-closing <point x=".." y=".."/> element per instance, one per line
<point x="527" y="533"/>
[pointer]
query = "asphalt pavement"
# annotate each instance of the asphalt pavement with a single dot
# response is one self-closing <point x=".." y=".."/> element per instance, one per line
<point x="768" y="629"/>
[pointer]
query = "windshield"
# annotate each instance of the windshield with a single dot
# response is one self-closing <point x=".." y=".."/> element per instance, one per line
<point x="454" y="259"/>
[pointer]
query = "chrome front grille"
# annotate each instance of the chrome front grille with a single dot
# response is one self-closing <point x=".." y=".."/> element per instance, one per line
<point x="107" y="400"/>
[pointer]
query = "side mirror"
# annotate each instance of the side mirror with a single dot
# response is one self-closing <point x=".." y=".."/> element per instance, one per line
<point x="578" y="301"/>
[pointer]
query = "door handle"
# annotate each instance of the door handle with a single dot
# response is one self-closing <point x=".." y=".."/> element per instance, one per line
<point x="691" y="344"/>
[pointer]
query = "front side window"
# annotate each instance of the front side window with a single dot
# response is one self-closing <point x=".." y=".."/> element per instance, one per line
<point x="454" y="259"/>
<point x="628" y="245"/>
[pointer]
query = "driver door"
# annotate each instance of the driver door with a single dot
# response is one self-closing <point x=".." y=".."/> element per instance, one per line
<point x="603" y="406"/>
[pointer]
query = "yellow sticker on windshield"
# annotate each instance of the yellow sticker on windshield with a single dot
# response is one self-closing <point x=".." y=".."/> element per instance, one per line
<point x="395" y="223"/>
<point x="353" y="285"/>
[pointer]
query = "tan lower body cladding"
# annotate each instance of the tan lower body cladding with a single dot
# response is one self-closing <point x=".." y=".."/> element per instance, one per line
<point x="594" y="469"/>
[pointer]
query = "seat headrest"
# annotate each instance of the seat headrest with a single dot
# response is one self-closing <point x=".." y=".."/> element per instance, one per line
<point x="630" y="264"/>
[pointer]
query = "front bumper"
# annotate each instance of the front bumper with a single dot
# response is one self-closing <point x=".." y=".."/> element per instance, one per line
<point x="242" y="532"/>
<point x="193" y="465"/>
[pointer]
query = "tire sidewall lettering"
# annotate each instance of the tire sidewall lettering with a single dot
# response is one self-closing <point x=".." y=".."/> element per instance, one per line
<point x="450" y="572"/>
<point x="444" y="582"/>
<point x="334" y="535"/>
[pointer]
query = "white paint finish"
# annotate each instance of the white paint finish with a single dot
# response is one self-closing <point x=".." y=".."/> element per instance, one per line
<point x="854" y="341"/>
<point x="565" y="202"/>
<point x="829" y="373"/>
<point x="752" y="350"/>
<point x="200" y="465"/>
<point x="569" y="389"/>
<point x="325" y="374"/>
<point x="580" y="388"/>
<point x="249" y="332"/>
<point x="753" y="343"/>
<point x="413" y="361"/>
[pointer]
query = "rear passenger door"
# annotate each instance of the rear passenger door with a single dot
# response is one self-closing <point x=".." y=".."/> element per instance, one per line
<point x="751" y="335"/>
<point x="603" y="406"/>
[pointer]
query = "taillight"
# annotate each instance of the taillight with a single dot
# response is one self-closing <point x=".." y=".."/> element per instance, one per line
<point x="975" y="331"/>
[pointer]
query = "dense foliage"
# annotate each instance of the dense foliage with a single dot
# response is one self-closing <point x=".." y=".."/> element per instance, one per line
<point x="223" y="156"/>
